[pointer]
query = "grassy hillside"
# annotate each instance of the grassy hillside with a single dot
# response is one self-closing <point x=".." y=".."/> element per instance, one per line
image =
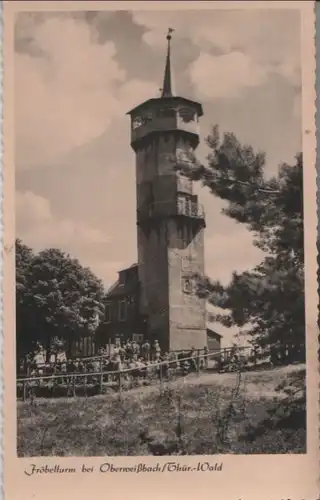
<point x="213" y="413"/>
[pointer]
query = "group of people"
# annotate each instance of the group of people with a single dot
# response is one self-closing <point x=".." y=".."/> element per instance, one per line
<point x="132" y="350"/>
<point x="129" y="358"/>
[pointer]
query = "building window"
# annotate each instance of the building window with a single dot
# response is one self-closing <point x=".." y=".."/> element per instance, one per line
<point x="89" y="346"/>
<point x="187" y="115"/>
<point x="122" y="310"/>
<point x="185" y="204"/>
<point x="187" y="285"/>
<point x="137" y="122"/>
<point x="180" y="204"/>
<point x="185" y="157"/>
<point x="147" y="118"/>
<point x="108" y="313"/>
<point x="137" y="337"/>
<point x="194" y="206"/>
<point x="184" y="184"/>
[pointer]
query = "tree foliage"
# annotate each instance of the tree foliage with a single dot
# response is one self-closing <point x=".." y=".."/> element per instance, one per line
<point x="56" y="298"/>
<point x="25" y="324"/>
<point x="269" y="297"/>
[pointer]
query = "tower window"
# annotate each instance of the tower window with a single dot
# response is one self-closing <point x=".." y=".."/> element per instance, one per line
<point x="122" y="310"/>
<point x="187" y="205"/>
<point x="187" y="285"/>
<point x="184" y="184"/>
<point x="180" y="204"/>
<point x="187" y="115"/>
<point x="137" y="122"/>
<point x="147" y="118"/>
<point x="194" y="206"/>
<point x="137" y="337"/>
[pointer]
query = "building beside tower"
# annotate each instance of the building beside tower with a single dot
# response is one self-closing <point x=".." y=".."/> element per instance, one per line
<point x="156" y="298"/>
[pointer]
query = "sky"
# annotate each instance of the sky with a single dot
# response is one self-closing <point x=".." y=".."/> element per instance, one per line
<point x="76" y="76"/>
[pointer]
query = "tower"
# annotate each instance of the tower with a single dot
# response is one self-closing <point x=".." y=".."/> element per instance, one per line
<point x="170" y="221"/>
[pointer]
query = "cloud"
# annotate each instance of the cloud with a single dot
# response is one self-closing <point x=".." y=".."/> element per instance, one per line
<point x="228" y="30"/>
<point x="235" y="44"/>
<point x="223" y="257"/>
<point x="291" y="71"/>
<point x="75" y="88"/>
<point x="136" y="91"/>
<point x="40" y="228"/>
<point x="225" y="76"/>
<point x="71" y="84"/>
<point x="37" y="225"/>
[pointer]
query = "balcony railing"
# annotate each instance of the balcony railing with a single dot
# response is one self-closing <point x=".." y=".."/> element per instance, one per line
<point x="195" y="210"/>
<point x="167" y="209"/>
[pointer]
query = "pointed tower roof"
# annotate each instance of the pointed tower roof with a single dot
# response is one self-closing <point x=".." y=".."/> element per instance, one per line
<point x="167" y="89"/>
<point x="167" y="81"/>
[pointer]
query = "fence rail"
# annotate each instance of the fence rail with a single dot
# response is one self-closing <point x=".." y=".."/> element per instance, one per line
<point x="53" y="384"/>
<point x="91" y="359"/>
<point x="159" y="371"/>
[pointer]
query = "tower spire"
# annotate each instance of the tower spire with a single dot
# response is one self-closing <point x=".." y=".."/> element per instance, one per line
<point x="167" y="81"/>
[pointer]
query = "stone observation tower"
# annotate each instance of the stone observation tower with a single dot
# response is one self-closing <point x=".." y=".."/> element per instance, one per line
<point x="170" y="221"/>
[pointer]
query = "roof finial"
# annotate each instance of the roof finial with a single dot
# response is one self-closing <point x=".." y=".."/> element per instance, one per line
<point x="167" y="84"/>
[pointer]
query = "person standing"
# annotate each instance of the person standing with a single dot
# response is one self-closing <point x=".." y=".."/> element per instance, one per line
<point x="146" y="348"/>
<point x="157" y="351"/>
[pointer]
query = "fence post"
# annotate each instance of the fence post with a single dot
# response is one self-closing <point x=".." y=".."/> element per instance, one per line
<point x="255" y="356"/>
<point x="25" y="384"/>
<point x="160" y="375"/>
<point x="25" y="365"/>
<point x="198" y="362"/>
<point x="74" y="385"/>
<point x="101" y="376"/>
<point x="24" y="391"/>
<point x="85" y="379"/>
<point x="120" y="384"/>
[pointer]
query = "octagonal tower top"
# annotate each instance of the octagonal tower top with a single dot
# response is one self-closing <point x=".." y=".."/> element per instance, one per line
<point x="167" y="113"/>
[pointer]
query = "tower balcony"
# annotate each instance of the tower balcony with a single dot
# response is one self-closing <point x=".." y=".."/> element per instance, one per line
<point x="194" y="213"/>
<point x="167" y="114"/>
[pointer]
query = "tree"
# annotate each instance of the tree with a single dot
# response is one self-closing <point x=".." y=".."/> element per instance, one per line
<point x="64" y="298"/>
<point x="270" y="297"/>
<point x="24" y="319"/>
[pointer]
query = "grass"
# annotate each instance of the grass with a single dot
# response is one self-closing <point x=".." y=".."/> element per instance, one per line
<point x="209" y="414"/>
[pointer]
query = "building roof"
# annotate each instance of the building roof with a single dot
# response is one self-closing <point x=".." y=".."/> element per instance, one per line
<point x="167" y="80"/>
<point x="213" y="333"/>
<point x="167" y="94"/>
<point x="129" y="286"/>
<point x="169" y="100"/>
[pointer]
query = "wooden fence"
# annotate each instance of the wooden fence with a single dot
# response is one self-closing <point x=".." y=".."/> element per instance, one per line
<point x="71" y="384"/>
<point x="224" y="354"/>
